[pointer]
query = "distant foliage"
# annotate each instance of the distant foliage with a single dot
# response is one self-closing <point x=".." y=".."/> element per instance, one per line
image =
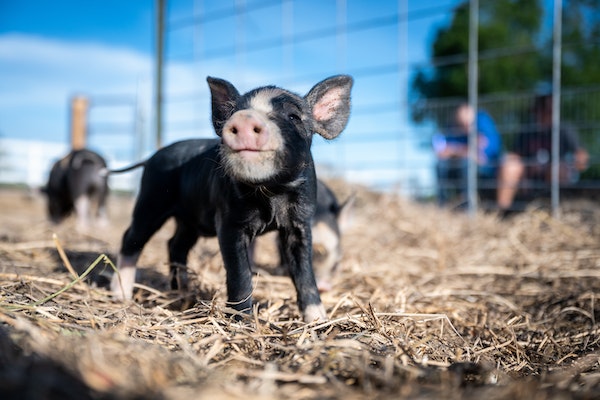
<point x="515" y="51"/>
<point x="515" y="59"/>
<point x="581" y="43"/>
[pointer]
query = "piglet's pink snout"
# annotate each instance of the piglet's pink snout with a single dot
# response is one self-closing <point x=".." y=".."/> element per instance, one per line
<point x="246" y="131"/>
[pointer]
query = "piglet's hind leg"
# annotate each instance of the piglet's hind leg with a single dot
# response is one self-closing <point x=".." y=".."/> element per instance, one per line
<point x="179" y="246"/>
<point x="122" y="281"/>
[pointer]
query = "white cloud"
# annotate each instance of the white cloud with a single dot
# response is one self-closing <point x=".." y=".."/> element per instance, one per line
<point x="40" y="74"/>
<point x="47" y="71"/>
<point x="35" y="49"/>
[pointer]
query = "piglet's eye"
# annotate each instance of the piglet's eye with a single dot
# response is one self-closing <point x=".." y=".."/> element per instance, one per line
<point x="294" y="117"/>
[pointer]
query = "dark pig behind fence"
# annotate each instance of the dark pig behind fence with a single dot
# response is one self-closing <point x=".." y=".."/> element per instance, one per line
<point x="259" y="178"/>
<point x="78" y="182"/>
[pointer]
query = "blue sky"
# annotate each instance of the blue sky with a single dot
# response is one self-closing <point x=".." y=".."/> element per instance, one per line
<point x="51" y="50"/>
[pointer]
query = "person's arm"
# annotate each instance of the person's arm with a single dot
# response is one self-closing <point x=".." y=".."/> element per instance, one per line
<point x="582" y="159"/>
<point x="492" y="145"/>
<point x="445" y="148"/>
<point x="572" y="145"/>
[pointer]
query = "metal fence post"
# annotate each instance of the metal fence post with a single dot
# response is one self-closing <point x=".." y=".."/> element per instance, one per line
<point x="159" y="64"/>
<point x="556" y="93"/>
<point x="473" y="88"/>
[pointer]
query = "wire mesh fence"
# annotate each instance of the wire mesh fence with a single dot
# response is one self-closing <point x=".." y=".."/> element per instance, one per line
<point x="268" y="42"/>
<point x="520" y="133"/>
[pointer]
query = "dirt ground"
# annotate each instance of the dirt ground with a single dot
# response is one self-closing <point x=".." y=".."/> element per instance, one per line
<point x="427" y="304"/>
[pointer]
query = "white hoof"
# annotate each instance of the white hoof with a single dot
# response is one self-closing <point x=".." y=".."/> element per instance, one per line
<point x="315" y="312"/>
<point x="121" y="284"/>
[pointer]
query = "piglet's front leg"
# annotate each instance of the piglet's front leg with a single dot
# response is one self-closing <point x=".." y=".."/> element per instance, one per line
<point x="296" y="249"/>
<point x="234" y="250"/>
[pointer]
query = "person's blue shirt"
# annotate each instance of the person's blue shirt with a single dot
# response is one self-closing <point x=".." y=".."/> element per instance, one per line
<point x="489" y="143"/>
<point x="489" y="151"/>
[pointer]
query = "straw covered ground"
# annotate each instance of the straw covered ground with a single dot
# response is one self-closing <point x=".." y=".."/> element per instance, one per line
<point x="427" y="304"/>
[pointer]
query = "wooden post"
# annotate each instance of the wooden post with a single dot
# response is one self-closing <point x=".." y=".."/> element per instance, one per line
<point x="79" y="110"/>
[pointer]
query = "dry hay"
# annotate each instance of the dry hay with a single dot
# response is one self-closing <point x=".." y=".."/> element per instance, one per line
<point x="427" y="304"/>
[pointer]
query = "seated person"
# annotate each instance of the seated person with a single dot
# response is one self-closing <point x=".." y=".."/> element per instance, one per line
<point x="451" y="150"/>
<point x="532" y="153"/>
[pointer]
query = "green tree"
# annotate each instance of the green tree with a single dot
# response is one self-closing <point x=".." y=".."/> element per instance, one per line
<point x="515" y="56"/>
<point x="510" y="35"/>
<point x="581" y="43"/>
<point x="515" y="49"/>
<point x="581" y="69"/>
<point x="508" y="31"/>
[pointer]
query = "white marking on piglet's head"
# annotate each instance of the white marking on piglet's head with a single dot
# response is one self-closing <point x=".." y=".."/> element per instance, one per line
<point x="252" y="141"/>
<point x="262" y="100"/>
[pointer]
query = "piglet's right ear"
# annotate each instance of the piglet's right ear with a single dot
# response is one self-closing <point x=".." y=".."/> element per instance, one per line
<point x="329" y="101"/>
<point x="223" y="98"/>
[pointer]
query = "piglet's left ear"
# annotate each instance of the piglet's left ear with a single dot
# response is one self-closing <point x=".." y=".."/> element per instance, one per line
<point x="223" y="98"/>
<point x="329" y="101"/>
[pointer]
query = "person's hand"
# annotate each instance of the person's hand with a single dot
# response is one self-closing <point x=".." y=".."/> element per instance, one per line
<point x="582" y="159"/>
<point x="453" y="151"/>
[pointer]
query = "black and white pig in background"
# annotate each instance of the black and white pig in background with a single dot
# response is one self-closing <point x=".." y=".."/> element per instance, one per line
<point x="330" y="220"/>
<point x="259" y="178"/>
<point x="78" y="182"/>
